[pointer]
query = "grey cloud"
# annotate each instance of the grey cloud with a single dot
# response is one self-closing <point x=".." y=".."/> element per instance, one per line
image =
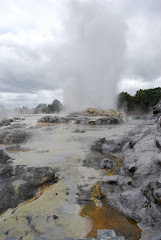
<point x="87" y="65"/>
<point x="143" y="54"/>
<point x="78" y="46"/>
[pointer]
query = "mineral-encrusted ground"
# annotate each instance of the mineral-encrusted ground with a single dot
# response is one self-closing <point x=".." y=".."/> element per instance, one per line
<point x="58" y="146"/>
<point x="20" y="183"/>
<point x="136" y="188"/>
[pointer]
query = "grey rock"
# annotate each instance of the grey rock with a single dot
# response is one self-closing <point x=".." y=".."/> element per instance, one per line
<point x="93" y="160"/>
<point x="136" y="190"/>
<point x="14" y="136"/>
<point x="53" y="119"/>
<point x="16" y="147"/>
<point x="40" y="238"/>
<point x="110" y="146"/>
<point x="16" y="126"/>
<point x="69" y="238"/>
<point x="157" y="108"/>
<point x="105" y="234"/>
<point x="106" y="163"/>
<point x="4" y="157"/>
<point x="117" y="238"/>
<point x="113" y="180"/>
<point x="158" y="142"/>
<point x="79" y="131"/>
<point x="6" y="122"/>
<point x="82" y="120"/>
<point x="98" y="120"/>
<point x="20" y="183"/>
<point x="157" y="237"/>
<point x="11" y="239"/>
<point x="101" y="235"/>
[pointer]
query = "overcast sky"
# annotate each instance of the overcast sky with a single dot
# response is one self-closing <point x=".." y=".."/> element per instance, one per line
<point x="77" y="50"/>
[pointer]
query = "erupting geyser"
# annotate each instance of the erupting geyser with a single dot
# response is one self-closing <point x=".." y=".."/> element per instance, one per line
<point x="94" y="56"/>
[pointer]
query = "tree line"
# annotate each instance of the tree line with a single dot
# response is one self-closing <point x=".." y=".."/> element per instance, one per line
<point x="55" y="107"/>
<point x="143" y="100"/>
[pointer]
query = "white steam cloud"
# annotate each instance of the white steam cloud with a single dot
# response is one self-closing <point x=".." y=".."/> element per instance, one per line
<point x="94" y="55"/>
<point x="76" y="46"/>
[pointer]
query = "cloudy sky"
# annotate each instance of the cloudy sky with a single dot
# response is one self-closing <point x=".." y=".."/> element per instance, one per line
<point x="81" y="52"/>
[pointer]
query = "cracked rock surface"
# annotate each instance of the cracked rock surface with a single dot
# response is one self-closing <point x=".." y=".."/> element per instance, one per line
<point x="136" y="188"/>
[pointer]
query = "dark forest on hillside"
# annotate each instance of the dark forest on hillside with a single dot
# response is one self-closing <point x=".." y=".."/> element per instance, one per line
<point x="143" y="100"/>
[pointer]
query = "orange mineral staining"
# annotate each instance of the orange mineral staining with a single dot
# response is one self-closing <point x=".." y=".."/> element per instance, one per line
<point x="103" y="216"/>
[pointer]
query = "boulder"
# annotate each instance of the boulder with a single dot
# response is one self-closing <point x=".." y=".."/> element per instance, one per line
<point x="157" y="109"/>
<point x="14" y="136"/>
<point x="16" y="147"/>
<point x="6" y="122"/>
<point x="111" y="112"/>
<point x="107" y="163"/>
<point x="136" y="190"/>
<point x="93" y="111"/>
<point x="98" y="120"/>
<point x="53" y="119"/>
<point x="113" y="180"/>
<point x="4" y="157"/>
<point x="20" y="183"/>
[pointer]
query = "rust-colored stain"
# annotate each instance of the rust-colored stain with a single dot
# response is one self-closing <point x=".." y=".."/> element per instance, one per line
<point x="103" y="216"/>
<point x="39" y="193"/>
<point x="45" y="124"/>
<point x="13" y="150"/>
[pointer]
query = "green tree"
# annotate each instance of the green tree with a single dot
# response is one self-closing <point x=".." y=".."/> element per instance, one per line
<point x="56" y="106"/>
<point x="143" y="100"/>
<point x="41" y="108"/>
<point x="126" y="101"/>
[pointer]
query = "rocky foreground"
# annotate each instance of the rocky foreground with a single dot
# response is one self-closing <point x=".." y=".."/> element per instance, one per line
<point x="135" y="188"/>
<point x="20" y="183"/>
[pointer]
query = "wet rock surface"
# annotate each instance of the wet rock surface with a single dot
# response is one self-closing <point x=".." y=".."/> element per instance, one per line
<point x="84" y="196"/>
<point x="97" y="120"/>
<point x="136" y="188"/>
<point x="14" y="136"/>
<point x="8" y="121"/>
<point x="98" y="112"/>
<point x="3" y="157"/>
<point x="93" y="160"/>
<point x="101" y="235"/>
<point x="98" y="161"/>
<point x="83" y="120"/>
<point x="53" y="119"/>
<point x="90" y="116"/>
<point x="157" y="109"/>
<point x="17" y="147"/>
<point x="20" y="183"/>
<point x="56" y="212"/>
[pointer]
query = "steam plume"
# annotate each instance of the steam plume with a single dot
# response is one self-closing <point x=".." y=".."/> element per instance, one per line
<point x="94" y="55"/>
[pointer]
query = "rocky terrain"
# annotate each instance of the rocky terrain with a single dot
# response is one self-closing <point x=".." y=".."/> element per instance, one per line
<point x="90" y="116"/>
<point x="35" y="152"/>
<point x="101" y="235"/>
<point x="20" y="183"/>
<point x="38" y="149"/>
<point x="135" y="188"/>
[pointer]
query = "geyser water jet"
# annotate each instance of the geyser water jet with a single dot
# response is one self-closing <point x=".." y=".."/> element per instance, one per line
<point x="94" y="55"/>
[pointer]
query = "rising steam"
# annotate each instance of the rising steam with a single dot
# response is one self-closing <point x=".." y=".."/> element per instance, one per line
<point x="94" y="55"/>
